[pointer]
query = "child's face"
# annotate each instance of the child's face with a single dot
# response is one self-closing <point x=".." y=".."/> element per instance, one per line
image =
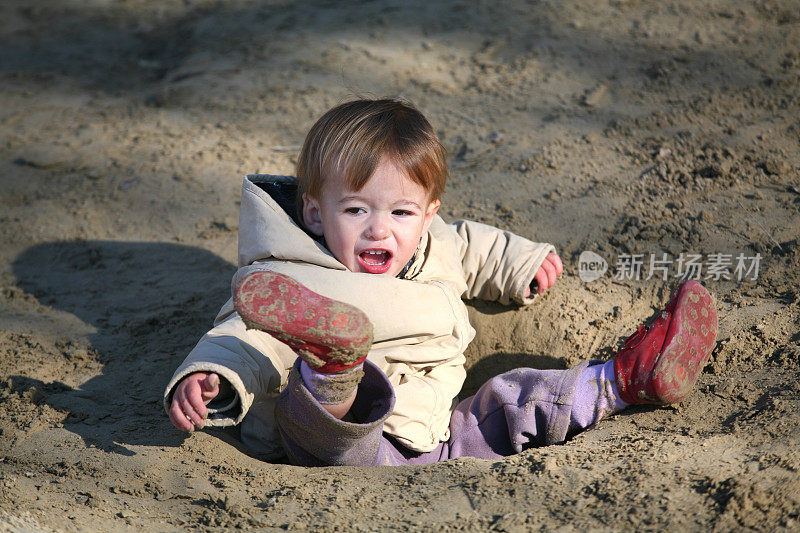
<point x="375" y="230"/>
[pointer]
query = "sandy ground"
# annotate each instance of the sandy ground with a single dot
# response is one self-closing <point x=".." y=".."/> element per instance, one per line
<point x="619" y="127"/>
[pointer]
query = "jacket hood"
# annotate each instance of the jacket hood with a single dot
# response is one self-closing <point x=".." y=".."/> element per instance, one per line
<point x="269" y="225"/>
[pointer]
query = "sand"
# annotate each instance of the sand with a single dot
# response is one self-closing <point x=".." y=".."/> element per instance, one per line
<point x="620" y="127"/>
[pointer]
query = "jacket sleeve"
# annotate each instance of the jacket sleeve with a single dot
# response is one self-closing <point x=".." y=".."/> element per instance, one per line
<point x="249" y="360"/>
<point x="498" y="265"/>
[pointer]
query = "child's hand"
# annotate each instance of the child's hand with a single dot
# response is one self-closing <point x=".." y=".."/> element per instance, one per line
<point x="547" y="274"/>
<point x="188" y="410"/>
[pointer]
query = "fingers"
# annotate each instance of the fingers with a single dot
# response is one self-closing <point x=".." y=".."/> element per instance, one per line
<point x="210" y="388"/>
<point x="194" y="407"/>
<point x="548" y="272"/>
<point x="178" y="418"/>
<point x="541" y="280"/>
<point x="188" y="410"/>
<point x="556" y="260"/>
<point x="186" y="415"/>
<point x="546" y="276"/>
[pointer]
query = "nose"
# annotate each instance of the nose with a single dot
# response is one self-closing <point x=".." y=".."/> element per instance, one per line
<point x="377" y="229"/>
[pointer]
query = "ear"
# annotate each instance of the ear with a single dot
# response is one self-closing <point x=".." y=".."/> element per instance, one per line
<point x="433" y="207"/>
<point x="312" y="217"/>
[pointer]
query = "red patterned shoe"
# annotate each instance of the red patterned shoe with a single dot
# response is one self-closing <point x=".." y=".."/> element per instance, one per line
<point x="329" y="335"/>
<point x="660" y="364"/>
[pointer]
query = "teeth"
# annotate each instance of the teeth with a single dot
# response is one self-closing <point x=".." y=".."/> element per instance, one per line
<point x="375" y="257"/>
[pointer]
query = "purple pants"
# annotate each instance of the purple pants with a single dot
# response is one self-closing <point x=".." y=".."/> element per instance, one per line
<point x="519" y="409"/>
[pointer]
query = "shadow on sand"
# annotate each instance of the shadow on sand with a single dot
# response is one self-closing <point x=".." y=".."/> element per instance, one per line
<point x="149" y="303"/>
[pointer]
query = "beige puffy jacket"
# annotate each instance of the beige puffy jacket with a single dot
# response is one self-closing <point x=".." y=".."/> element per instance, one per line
<point x="421" y="327"/>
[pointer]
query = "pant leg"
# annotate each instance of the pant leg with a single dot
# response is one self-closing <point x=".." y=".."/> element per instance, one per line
<point x="312" y="437"/>
<point x="596" y="396"/>
<point x="509" y="413"/>
<point x="514" y="411"/>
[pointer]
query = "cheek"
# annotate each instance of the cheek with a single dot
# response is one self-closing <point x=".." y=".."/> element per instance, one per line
<point x="408" y="239"/>
<point x="347" y="232"/>
<point x="341" y="239"/>
<point x="412" y="232"/>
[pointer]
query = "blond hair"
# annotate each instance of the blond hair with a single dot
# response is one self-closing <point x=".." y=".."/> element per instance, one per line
<point x="350" y="140"/>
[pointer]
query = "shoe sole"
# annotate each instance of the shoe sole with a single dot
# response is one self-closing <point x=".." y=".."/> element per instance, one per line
<point x="688" y="344"/>
<point x="329" y="335"/>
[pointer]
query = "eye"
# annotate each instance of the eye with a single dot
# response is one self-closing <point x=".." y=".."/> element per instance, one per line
<point x="402" y="213"/>
<point x="354" y="210"/>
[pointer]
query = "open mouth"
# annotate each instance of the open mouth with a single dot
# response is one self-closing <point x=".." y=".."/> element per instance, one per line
<point x="375" y="261"/>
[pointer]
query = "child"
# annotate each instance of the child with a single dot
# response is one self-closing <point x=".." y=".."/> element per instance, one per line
<point x="357" y="275"/>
